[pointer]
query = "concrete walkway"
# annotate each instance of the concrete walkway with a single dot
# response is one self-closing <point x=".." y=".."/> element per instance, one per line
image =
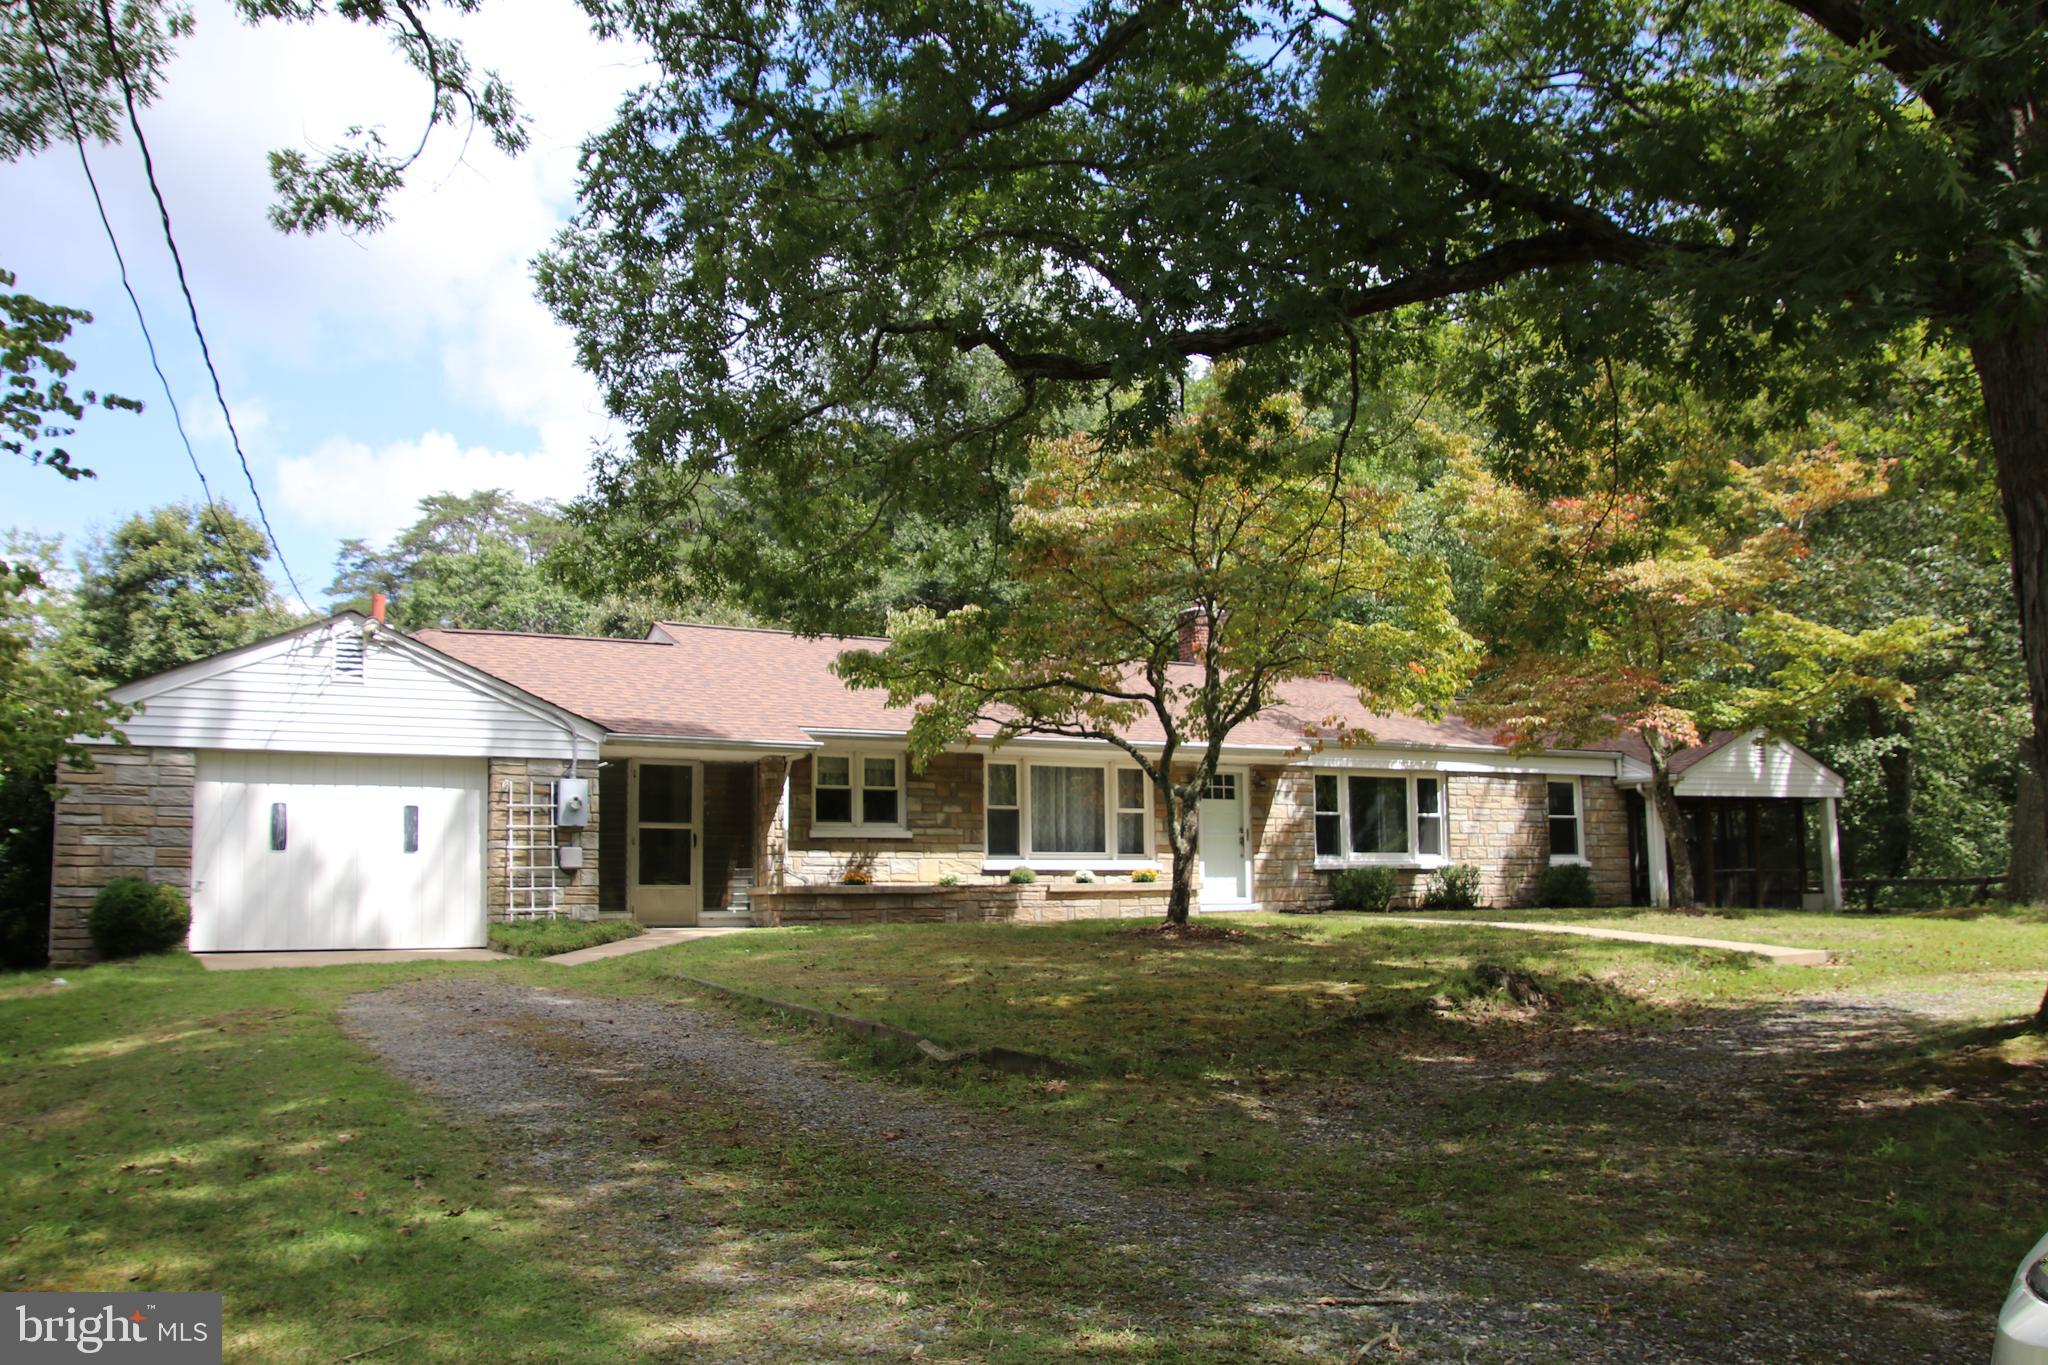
<point x="1776" y="952"/>
<point x="237" y="962"/>
<point x="646" y="942"/>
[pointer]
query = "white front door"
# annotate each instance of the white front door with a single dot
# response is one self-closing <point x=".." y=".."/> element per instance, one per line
<point x="663" y="857"/>
<point x="1226" y="864"/>
<point x="308" y="851"/>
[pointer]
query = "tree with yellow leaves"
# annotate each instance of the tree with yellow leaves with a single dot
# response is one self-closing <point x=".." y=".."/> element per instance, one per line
<point x="1645" y="612"/>
<point x="1241" y="517"/>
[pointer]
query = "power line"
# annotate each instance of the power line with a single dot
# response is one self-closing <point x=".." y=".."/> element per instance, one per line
<point x="192" y="308"/>
<point x="106" y="225"/>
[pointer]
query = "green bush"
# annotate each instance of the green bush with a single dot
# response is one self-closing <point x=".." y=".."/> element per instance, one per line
<point x="1363" y="888"/>
<point x="131" y="917"/>
<point x="1565" y="886"/>
<point x="1022" y="876"/>
<point x="949" y="879"/>
<point x="562" y="934"/>
<point x="1452" y="888"/>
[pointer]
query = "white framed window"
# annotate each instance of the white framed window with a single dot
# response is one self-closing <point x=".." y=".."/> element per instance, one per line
<point x="1005" y="820"/>
<point x="1055" y="813"/>
<point x="1395" y="819"/>
<point x="1567" y="842"/>
<point x="1132" y="812"/>
<point x="858" y="794"/>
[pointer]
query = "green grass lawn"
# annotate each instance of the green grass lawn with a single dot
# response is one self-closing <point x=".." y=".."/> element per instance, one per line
<point x="547" y="937"/>
<point x="177" y="1129"/>
<point x="1369" y="1072"/>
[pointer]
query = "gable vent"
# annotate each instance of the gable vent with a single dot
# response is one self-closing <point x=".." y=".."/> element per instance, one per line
<point x="349" y="658"/>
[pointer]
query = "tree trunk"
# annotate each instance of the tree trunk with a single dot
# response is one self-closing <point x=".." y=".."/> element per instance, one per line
<point x="2012" y="369"/>
<point x="1182" y="833"/>
<point x="1678" y="835"/>
<point x="2026" y="871"/>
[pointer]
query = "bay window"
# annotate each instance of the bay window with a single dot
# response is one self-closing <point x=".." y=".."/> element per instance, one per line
<point x="1389" y="818"/>
<point x="858" y="795"/>
<point x="1056" y="813"/>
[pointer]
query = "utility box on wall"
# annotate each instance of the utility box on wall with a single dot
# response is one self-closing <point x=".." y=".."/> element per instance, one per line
<point x="572" y="802"/>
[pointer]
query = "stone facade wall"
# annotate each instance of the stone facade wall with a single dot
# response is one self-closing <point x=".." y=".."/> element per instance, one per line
<point x="942" y="807"/>
<point x="1498" y="823"/>
<point x="900" y="904"/>
<point x="980" y="902"/>
<point x="576" y="892"/>
<point x="131" y="816"/>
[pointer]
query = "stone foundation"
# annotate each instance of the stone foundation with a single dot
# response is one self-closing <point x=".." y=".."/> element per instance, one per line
<point x="130" y="816"/>
<point x="968" y="903"/>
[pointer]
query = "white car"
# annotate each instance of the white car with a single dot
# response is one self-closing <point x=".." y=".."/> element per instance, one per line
<point x="2023" y="1325"/>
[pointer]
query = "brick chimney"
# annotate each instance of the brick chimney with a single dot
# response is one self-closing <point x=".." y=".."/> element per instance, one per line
<point x="1194" y="635"/>
<point x="377" y="604"/>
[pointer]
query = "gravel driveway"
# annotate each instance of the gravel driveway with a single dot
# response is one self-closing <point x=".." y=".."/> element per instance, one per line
<point x="509" y="1056"/>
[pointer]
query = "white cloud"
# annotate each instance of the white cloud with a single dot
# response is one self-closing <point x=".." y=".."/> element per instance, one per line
<point x="346" y="347"/>
<point x="352" y="489"/>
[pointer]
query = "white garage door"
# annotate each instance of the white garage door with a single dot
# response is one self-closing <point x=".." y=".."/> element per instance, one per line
<point x="337" y="851"/>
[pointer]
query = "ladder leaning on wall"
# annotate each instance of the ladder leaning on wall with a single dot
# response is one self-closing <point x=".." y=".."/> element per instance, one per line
<point x="531" y="891"/>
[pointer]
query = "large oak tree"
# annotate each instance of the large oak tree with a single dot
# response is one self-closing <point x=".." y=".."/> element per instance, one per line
<point x="842" y="215"/>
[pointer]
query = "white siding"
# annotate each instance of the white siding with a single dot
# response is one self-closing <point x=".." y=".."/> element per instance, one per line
<point x="344" y="878"/>
<point x="1741" y="768"/>
<point x="286" y="696"/>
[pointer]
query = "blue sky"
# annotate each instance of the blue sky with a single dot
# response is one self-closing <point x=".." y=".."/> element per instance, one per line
<point x="363" y="373"/>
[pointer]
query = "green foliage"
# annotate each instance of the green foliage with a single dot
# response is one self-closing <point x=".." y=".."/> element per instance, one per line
<point x="1145" y="876"/>
<point x="36" y="399"/>
<point x="949" y="879"/>
<point x="173" y="585"/>
<point x="1452" y="888"/>
<point x="1363" y="888"/>
<point x="97" y="48"/>
<point x="548" y="937"/>
<point x="1564" y="885"/>
<point x="1022" y="876"/>
<point x="27" y="825"/>
<point x="897" y="238"/>
<point x="46" y="698"/>
<point x="486" y="561"/>
<point x="1231" y="520"/>
<point x="131" y="917"/>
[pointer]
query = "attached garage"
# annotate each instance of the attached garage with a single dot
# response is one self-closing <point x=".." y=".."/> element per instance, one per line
<point x="339" y="787"/>
<point x="337" y="851"/>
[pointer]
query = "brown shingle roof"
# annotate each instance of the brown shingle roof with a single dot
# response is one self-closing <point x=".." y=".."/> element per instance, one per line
<point x="742" y="685"/>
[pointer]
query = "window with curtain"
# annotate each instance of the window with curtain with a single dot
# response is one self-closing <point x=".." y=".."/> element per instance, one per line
<point x="1067" y="810"/>
<point x="1379" y="814"/>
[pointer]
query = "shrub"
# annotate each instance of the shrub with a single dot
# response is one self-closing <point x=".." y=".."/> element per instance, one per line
<point x="857" y="876"/>
<point x="1145" y="874"/>
<point x="1084" y="876"/>
<point x="949" y="879"/>
<point x="1022" y="876"/>
<point x="562" y="934"/>
<point x="1565" y="885"/>
<point x="1452" y="888"/>
<point x="131" y="917"/>
<point x="1363" y="888"/>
